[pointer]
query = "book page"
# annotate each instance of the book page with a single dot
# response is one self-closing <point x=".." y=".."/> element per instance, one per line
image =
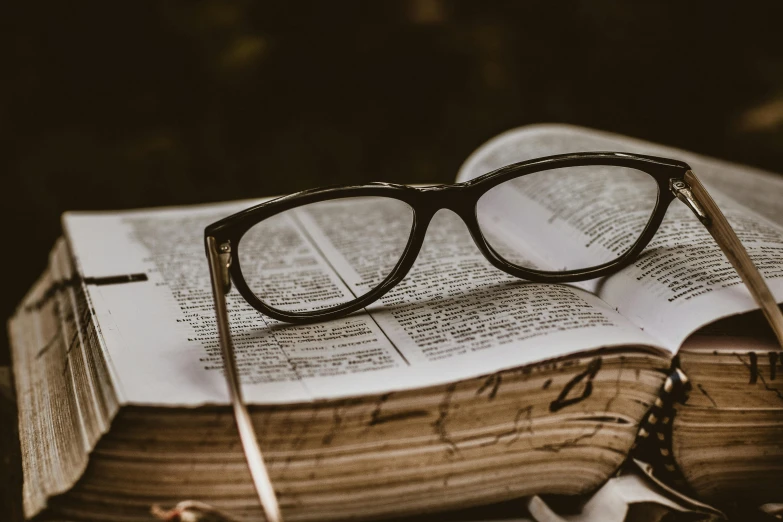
<point x="682" y="280"/>
<point x="454" y="316"/>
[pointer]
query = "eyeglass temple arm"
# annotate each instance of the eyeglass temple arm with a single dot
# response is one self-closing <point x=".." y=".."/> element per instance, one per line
<point x="695" y="196"/>
<point x="219" y="259"/>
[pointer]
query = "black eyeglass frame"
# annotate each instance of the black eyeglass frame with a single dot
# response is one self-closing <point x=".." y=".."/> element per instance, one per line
<point x="674" y="179"/>
<point x="462" y="199"/>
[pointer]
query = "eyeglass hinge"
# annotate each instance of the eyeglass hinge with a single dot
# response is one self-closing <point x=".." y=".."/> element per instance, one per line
<point x="683" y="192"/>
<point x="224" y="253"/>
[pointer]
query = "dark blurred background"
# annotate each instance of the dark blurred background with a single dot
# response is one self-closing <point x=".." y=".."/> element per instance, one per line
<point x="110" y="105"/>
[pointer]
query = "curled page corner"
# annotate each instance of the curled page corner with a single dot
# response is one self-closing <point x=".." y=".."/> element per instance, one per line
<point x="614" y="500"/>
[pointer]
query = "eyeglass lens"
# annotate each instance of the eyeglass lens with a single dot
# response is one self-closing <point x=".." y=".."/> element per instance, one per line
<point x="291" y="260"/>
<point x="568" y="218"/>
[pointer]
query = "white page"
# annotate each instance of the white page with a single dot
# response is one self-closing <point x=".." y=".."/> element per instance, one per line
<point x="754" y="188"/>
<point x="454" y="303"/>
<point x="682" y="280"/>
<point x="161" y="333"/>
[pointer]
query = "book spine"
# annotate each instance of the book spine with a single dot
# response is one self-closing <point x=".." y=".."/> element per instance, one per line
<point x="654" y="439"/>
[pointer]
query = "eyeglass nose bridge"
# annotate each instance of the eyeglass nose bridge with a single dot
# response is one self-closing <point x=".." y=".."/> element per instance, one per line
<point x="461" y="201"/>
<point x="452" y="197"/>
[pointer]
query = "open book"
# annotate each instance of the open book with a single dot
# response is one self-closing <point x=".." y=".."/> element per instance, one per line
<point x="461" y="386"/>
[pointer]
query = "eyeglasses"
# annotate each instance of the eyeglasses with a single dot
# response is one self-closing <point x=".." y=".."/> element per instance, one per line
<point x="325" y="253"/>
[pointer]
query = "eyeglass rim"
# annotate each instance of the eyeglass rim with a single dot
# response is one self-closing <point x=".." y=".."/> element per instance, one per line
<point x="461" y="198"/>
